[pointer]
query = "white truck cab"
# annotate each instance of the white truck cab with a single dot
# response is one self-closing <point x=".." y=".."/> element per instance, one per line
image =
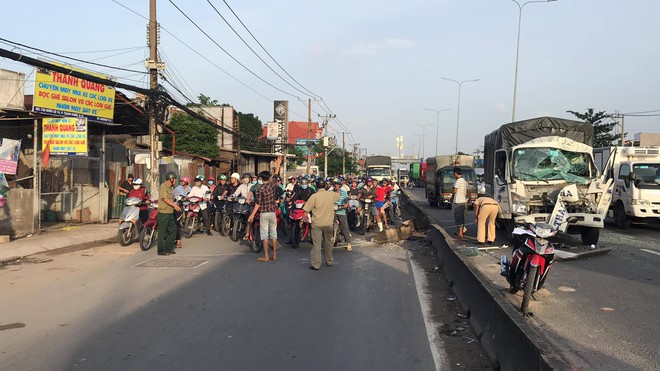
<point x="636" y="186"/>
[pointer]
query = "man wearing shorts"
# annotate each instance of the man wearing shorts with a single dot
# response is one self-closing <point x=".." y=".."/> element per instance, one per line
<point x="369" y="191"/>
<point x="459" y="201"/>
<point x="266" y="203"/>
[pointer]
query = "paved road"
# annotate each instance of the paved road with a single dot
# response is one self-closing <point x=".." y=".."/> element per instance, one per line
<point x="98" y="310"/>
<point x="601" y="310"/>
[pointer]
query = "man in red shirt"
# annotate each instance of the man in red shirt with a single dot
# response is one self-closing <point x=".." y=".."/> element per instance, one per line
<point x="382" y="195"/>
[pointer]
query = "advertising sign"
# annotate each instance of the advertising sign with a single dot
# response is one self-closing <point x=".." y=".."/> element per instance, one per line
<point x="10" y="150"/>
<point x="61" y="94"/>
<point x="281" y="110"/>
<point x="65" y="136"/>
<point x="301" y="145"/>
<point x="272" y="131"/>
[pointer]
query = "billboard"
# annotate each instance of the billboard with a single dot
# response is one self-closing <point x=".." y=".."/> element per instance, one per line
<point x="10" y="150"/>
<point x="272" y="131"/>
<point x="65" y="136"/>
<point x="301" y="145"/>
<point x="61" y="94"/>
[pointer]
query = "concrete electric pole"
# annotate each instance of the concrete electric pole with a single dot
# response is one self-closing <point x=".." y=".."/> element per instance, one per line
<point x="152" y="64"/>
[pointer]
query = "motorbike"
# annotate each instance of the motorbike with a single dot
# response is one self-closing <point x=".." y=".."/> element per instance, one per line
<point x="531" y="259"/>
<point x="351" y="213"/>
<point x="336" y="229"/>
<point x="222" y="217"/>
<point x="255" y="235"/>
<point x="149" y="232"/>
<point x="240" y="213"/>
<point x="130" y="223"/>
<point x="193" y="222"/>
<point x="298" y="233"/>
<point x="367" y="219"/>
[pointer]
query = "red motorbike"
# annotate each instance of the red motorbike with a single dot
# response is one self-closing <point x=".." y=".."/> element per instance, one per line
<point x="149" y="232"/>
<point x="193" y="222"/>
<point x="298" y="233"/>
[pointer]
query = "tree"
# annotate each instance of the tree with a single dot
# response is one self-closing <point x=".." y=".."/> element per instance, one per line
<point x="192" y="136"/>
<point x="251" y="131"/>
<point x="603" y="136"/>
<point x="335" y="162"/>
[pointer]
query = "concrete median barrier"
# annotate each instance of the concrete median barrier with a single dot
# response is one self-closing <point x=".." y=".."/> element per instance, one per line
<point x="510" y="341"/>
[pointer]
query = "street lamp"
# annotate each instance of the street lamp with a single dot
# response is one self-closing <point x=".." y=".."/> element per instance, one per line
<point x="437" y="124"/>
<point x="418" y="147"/>
<point x="423" y="137"/>
<point x="458" y="109"/>
<point x="515" y="81"/>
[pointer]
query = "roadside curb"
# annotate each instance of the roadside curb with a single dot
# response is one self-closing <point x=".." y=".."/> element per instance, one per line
<point x="510" y="341"/>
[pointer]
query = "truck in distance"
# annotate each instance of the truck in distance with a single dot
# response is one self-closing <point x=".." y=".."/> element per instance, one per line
<point x="440" y="178"/>
<point x="378" y="167"/>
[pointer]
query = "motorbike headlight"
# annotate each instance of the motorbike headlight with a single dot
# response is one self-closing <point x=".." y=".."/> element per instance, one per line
<point x="241" y="201"/>
<point x="641" y="202"/>
<point x="519" y="205"/>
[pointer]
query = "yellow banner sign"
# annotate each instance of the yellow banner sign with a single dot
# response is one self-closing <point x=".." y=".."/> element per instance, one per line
<point x="65" y="136"/>
<point x="61" y="94"/>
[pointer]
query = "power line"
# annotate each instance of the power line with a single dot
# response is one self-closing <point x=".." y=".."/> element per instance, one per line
<point x="71" y="58"/>
<point x="249" y="47"/>
<point x="266" y="51"/>
<point x="229" y="54"/>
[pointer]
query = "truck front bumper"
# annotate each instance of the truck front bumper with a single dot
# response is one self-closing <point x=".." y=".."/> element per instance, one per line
<point x="643" y="211"/>
<point x="584" y="219"/>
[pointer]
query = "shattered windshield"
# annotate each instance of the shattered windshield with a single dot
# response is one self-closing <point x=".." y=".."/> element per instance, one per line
<point x="547" y="164"/>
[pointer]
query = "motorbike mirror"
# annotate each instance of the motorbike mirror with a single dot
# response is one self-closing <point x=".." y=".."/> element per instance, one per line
<point x="572" y="219"/>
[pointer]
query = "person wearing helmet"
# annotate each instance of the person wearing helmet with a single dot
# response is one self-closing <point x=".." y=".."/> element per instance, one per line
<point x="167" y="228"/>
<point x="221" y="189"/>
<point x="342" y="205"/>
<point x="234" y="182"/>
<point x="321" y="206"/>
<point x="369" y="191"/>
<point x="243" y="190"/>
<point x="200" y="190"/>
<point x="383" y="191"/>
<point x="139" y="191"/>
<point x="302" y="192"/>
<point x="183" y="189"/>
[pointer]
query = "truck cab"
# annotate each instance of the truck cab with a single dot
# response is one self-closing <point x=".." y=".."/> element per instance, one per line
<point x="440" y="179"/>
<point x="636" y="182"/>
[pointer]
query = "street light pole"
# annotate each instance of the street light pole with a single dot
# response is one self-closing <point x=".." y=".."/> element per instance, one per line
<point x="423" y="136"/>
<point x="458" y="109"/>
<point x="437" y="124"/>
<point x="515" y="81"/>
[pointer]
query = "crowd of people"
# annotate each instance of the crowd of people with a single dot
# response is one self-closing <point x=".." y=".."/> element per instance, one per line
<point x="270" y="197"/>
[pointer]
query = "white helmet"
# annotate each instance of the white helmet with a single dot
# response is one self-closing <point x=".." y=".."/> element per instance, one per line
<point x="235" y="176"/>
<point x="137" y="181"/>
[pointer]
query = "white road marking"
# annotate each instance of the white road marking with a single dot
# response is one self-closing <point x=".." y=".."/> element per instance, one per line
<point x="651" y="251"/>
<point x="435" y="342"/>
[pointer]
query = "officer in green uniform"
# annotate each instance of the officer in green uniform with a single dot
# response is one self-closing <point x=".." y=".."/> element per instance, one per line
<point x="167" y="227"/>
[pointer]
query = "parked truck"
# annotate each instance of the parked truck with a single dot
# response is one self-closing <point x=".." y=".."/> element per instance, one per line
<point x="402" y="177"/>
<point x="440" y="178"/>
<point x="378" y="167"/>
<point x="413" y="173"/>
<point x="543" y="170"/>
<point x="635" y="172"/>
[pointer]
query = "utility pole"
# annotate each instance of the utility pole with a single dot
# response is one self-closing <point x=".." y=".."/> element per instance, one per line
<point x="309" y="136"/>
<point x="343" y="155"/>
<point x="326" y="143"/>
<point x="153" y="85"/>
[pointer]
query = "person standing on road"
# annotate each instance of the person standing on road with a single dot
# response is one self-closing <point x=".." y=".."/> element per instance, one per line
<point x="322" y="207"/>
<point x="485" y="211"/>
<point x="342" y="205"/>
<point x="459" y="200"/>
<point x="266" y="203"/>
<point x="167" y="228"/>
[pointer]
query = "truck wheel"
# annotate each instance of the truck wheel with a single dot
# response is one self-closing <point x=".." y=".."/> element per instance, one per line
<point x="589" y="235"/>
<point x="620" y="218"/>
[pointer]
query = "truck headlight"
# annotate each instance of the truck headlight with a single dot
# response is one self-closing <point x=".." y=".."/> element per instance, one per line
<point x="641" y="202"/>
<point x="519" y="205"/>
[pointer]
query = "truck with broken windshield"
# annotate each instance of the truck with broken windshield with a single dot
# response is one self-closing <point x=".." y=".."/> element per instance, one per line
<point x="543" y="170"/>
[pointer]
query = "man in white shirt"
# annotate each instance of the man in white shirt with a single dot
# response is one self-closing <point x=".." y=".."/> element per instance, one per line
<point x="459" y="201"/>
<point x="202" y="191"/>
<point x="243" y="190"/>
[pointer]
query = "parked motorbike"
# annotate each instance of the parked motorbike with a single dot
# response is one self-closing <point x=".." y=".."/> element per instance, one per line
<point x="531" y="260"/>
<point x="149" y="232"/>
<point x="193" y="222"/>
<point x="298" y="233"/>
<point x="240" y="213"/>
<point x="130" y="223"/>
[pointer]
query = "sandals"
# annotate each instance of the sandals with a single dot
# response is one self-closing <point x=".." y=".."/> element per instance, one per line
<point x="349" y="248"/>
<point x="263" y="259"/>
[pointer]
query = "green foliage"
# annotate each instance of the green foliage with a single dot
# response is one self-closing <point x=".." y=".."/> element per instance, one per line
<point x="251" y="130"/>
<point x="603" y="136"/>
<point x="300" y="157"/>
<point x="192" y="136"/>
<point x="335" y="162"/>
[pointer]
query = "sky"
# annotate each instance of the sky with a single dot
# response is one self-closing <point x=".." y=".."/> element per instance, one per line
<point x="378" y="65"/>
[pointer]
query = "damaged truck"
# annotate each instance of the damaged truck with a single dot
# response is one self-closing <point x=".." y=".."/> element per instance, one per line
<point x="543" y="170"/>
